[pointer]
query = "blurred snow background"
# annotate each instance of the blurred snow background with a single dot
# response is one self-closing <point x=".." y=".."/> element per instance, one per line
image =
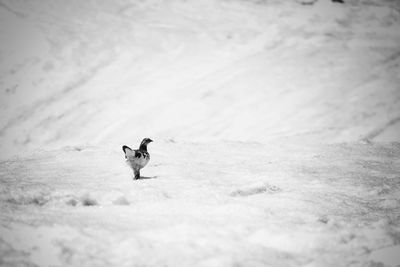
<point x="276" y="128"/>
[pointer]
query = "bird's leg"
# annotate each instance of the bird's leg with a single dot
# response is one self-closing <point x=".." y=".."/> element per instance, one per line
<point x="137" y="174"/>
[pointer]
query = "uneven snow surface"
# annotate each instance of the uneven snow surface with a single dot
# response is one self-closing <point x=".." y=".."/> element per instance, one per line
<point x="276" y="128"/>
<point x="267" y="205"/>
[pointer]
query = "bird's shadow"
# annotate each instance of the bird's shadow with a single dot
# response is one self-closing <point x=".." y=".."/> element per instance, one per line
<point x="146" y="177"/>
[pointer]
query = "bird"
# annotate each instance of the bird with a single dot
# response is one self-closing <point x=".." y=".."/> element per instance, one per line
<point x="137" y="158"/>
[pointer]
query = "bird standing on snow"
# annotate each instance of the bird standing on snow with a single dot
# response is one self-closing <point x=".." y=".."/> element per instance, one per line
<point x="137" y="159"/>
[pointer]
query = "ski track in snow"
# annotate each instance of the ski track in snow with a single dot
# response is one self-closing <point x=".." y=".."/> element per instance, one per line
<point x="276" y="128"/>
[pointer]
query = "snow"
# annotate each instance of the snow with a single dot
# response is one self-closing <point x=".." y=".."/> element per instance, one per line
<point x="276" y="128"/>
<point x="266" y="205"/>
<point x="388" y="256"/>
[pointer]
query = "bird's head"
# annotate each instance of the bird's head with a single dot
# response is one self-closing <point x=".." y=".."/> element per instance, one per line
<point x="146" y="141"/>
<point x="143" y="144"/>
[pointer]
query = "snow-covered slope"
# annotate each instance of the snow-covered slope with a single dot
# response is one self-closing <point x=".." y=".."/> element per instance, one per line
<point x="275" y="127"/>
<point x="96" y="72"/>
<point x="225" y="204"/>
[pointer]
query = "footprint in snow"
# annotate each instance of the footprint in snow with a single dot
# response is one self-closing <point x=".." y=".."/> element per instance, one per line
<point x="254" y="190"/>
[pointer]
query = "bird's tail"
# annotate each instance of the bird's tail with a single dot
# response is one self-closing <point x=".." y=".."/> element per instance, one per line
<point x="124" y="148"/>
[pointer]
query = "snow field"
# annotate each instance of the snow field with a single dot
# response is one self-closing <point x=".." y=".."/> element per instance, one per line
<point x="98" y="73"/>
<point x="231" y="203"/>
<point x="276" y="129"/>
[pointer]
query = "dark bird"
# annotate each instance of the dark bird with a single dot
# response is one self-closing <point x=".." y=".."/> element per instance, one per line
<point x="137" y="158"/>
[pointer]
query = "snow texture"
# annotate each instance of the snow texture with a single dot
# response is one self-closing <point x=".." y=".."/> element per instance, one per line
<point x="276" y="128"/>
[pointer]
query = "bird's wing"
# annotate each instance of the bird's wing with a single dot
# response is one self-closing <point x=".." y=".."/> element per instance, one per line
<point x="136" y="156"/>
<point x="129" y="153"/>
